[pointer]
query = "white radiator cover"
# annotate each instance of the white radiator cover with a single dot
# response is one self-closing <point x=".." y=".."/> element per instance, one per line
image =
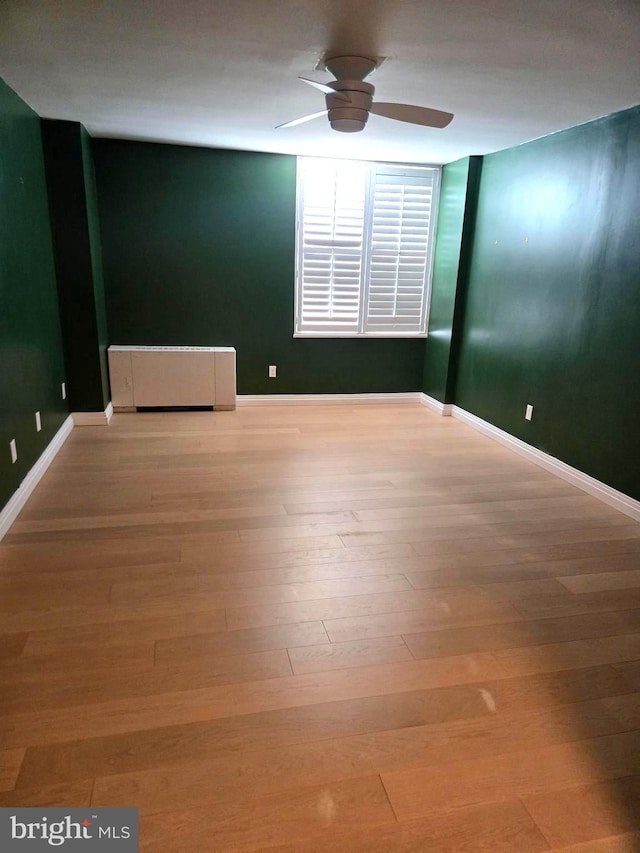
<point x="172" y="376"/>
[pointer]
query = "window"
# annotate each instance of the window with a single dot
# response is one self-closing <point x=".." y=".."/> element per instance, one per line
<point x="365" y="234"/>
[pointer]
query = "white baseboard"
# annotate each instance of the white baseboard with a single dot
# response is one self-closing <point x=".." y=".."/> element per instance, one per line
<point x="324" y="399"/>
<point x="594" y="487"/>
<point x="443" y="409"/>
<point x="19" y="498"/>
<point x="93" y="418"/>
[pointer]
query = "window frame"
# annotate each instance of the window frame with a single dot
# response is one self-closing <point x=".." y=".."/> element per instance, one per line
<point x="374" y="168"/>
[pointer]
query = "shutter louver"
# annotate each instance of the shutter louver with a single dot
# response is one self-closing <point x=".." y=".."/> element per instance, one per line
<point x="399" y="255"/>
<point x="365" y="234"/>
<point x="331" y="243"/>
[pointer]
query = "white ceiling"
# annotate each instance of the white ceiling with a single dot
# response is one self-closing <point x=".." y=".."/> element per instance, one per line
<point x="222" y="73"/>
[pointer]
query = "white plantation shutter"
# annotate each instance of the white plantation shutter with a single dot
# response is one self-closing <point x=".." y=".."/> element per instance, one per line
<point x="399" y="254"/>
<point x="364" y="248"/>
<point x="331" y="240"/>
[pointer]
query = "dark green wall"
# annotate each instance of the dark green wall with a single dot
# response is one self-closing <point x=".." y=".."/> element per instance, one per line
<point x="31" y="359"/>
<point x="456" y="216"/>
<point x="95" y="245"/>
<point x="198" y="247"/>
<point x="76" y="240"/>
<point x="553" y="304"/>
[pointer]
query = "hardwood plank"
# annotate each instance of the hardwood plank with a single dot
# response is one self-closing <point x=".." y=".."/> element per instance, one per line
<point x="426" y="525"/>
<point x="627" y="842"/>
<point x="523" y="540"/>
<point x="602" y="581"/>
<point x="103" y="636"/>
<point x="66" y="796"/>
<point x="537" y="506"/>
<point x="630" y="672"/>
<point x="425" y="501"/>
<point x="129" y="532"/>
<point x="200" y="546"/>
<point x="394" y="621"/>
<point x="579" y="551"/>
<point x="626" y="709"/>
<point x="449" y="786"/>
<point x="175" y="651"/>
<point x="550" y="689"/>
<point x="132" y="519"/>
<point x="569" y="655"/>
<point x="342" y="655"/>
<point x="552" y="530"/>
<point x="587" y="812"/>
<point x="506" y="635"/>
<point x="513" y="590"/>
<point x="293" y="559"/>
<point x="587" y="602"/>
<point x="11" y="646"/>
<point x="56" y="618"/>
<point x="10" y="762"/>
<point x="499" y="566"/>
<point x="97" y="686"/>
<point x="110" y="553"/>
<point x="132" y="656"/>
<point x="238" y="578"/>
<point x="43" y="597"/>
<point x="73" y="574"/>
<point x="453" y="606"/>
<point x="271" y="820"/>
<point x="179" y="589"/>
<point x="195" y="521"/>
<point x="309" y="498"/>
<point x="501" y="828"/>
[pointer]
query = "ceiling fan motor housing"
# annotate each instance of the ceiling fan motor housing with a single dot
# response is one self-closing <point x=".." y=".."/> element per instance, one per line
<point x="349" y="117"/>
<point x="349" y="100"/>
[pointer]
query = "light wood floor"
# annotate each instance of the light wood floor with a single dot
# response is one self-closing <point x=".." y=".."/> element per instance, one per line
<point x="322" y="629"/>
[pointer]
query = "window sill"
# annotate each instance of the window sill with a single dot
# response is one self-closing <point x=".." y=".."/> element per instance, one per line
<point x="337" y="335"/>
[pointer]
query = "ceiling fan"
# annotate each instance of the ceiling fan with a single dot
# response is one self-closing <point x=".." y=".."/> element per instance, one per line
<point x="349" y="99"/>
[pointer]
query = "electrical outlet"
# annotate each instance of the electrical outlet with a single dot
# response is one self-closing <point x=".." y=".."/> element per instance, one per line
<point x="14" y="451"/>
<point x="528" y="415"/>
<point x="272" y="371"/>
<point x="64" y="390"/>
<point x="38" y="422"/>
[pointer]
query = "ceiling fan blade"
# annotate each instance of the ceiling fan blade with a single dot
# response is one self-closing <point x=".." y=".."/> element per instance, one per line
<point x="412" y="115"/>
<point x="302" y="120"/>
<point x="326" y="89"/>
